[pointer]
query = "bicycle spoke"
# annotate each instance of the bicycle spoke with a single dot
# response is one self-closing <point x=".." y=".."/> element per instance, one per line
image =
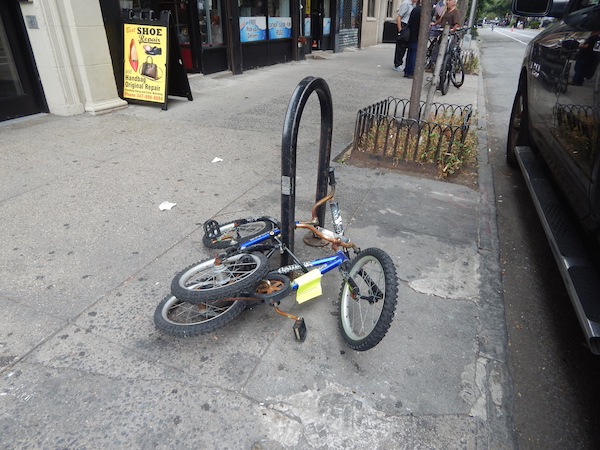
<point x="183" y="313"/>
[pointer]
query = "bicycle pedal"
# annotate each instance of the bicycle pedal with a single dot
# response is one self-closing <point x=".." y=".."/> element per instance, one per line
<point x="300" y="330"/>
<point x="212" y="229"/>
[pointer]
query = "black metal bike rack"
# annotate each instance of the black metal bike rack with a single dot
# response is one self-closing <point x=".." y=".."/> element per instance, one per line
<point x="288" y="155"/>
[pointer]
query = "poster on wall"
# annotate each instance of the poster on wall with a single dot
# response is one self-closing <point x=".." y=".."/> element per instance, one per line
<point x="326" y="26"/>
<point x="280" y="27"/>
<point x="307" y="26"/>
<point x="253" y="29"/>
<point x="145" y="74"/>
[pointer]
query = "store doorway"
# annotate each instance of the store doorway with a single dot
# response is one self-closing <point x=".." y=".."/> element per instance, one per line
<point x="20" y="89"/>
<point x="320" y="14"/>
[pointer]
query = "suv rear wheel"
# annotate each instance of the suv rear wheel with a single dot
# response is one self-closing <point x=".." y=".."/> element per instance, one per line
<point x="518" y="127"/>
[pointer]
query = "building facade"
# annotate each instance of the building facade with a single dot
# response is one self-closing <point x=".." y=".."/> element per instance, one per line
<point x="64" y="56"/>
<point x="376" y="14"/>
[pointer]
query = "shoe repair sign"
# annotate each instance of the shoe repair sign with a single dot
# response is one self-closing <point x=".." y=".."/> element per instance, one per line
<point x="145" y="63"/>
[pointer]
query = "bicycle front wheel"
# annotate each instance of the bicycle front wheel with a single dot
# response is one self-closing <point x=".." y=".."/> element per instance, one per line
<point x="365" y="319"/>
<point x="236" y="231"/>
<point x="217" y="279"/>
<point x="445" y="75"/>
<point x="181" y="319"/>
<point x="457" y="75"/>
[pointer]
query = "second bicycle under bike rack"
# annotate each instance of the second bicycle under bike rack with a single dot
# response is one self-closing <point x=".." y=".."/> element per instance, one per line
<point x="288" y="155"/>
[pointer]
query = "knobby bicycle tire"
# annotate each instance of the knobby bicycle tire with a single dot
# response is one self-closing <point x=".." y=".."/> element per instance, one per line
<point x="178" y="318"/>
<point x="212" y="280"/>
<point x="364" y="321"/>
<point x="457" y="74"/>
<point x="445" y="75"/>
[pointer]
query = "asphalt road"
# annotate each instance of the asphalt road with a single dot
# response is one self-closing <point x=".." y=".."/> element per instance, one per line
<point x="556" y="387"/>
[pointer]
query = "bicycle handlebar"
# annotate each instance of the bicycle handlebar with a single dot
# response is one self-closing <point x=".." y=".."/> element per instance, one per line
<point x="459" y="30"/>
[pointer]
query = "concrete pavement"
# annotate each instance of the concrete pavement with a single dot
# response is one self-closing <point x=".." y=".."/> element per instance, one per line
<point x="87" y="255"/>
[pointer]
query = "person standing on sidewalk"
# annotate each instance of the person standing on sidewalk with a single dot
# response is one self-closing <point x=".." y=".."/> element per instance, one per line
<point x="414" y="23"/>
<point x="452" y="18"/>
<point x="403" y="32"/>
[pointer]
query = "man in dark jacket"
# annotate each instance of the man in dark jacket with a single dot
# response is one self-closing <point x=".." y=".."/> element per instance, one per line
<point x="413" y="25"/>
<point x="403" y="32"/>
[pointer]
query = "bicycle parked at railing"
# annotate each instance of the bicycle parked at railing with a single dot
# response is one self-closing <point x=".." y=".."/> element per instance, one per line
<point x="432" y="45"/>
<point x="452" y="68"/>
<point x="211" y="293"/>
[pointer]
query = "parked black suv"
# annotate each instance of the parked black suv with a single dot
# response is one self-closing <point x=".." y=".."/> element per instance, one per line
<point x="554" y="136"/>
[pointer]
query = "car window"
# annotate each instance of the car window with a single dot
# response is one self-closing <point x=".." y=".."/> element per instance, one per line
<point x="576" y="111"/>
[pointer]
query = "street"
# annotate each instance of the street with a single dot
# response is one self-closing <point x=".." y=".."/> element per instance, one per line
<point x="554" y="374"/>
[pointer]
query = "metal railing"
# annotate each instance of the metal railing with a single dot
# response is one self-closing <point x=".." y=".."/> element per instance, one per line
<point x="383" y="129"/>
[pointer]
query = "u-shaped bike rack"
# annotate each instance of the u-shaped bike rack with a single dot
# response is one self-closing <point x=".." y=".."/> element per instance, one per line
<point x="288" y="155"/>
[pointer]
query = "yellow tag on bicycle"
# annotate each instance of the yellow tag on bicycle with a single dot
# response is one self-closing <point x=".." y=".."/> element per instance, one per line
<point x="309" y="286"/>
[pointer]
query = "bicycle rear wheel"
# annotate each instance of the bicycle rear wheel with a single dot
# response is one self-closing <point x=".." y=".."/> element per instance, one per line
<point x="364" y="320"/>
<point x="457" y="74"/>
<point x="181" y="319"/>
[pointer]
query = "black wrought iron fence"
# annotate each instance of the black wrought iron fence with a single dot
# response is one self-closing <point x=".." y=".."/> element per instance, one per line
<point x="385" y="131"/>
<point x="577" y="126"/>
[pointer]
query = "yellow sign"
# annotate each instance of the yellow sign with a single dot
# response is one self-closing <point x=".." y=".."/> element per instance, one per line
<point x="145" y="63"/>
<point x="309" y="285"/>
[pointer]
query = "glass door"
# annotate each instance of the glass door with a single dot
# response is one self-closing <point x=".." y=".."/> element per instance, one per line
<point x="20" y="90"/>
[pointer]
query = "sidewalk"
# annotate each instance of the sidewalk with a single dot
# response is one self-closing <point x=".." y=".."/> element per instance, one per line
<point x="87" y="255"/>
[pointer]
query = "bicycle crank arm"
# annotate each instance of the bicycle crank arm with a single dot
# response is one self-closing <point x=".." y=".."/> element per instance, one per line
<point x="299" y="327"/>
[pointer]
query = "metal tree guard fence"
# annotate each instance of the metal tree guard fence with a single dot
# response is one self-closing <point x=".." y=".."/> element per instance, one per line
<point x="384" y="131"/>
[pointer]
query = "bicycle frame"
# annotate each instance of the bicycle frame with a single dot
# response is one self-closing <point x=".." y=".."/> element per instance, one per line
<point x="339" y="259"/>
<point x="336" y="238"/>
<point x="328" y="263"/>
<point x="210" y="293"/>
<point x="339" y="243"/>
<point x="325" y="264"/>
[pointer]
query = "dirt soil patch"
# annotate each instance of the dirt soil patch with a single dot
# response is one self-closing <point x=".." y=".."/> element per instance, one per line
<point x="467" y="175"/>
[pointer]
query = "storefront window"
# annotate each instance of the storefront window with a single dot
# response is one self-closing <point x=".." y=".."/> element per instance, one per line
<point x="151" y="9"/>
<point x="348" y="13"/>
<point x="307" y="19"/>
<point x="327" y="18"/>
<point x="253" y="20"/>
<point x="280" y="21"/>
<point x="268" y="19"/>
<point x="10" y="82"/>
<point x="211" y="23"/>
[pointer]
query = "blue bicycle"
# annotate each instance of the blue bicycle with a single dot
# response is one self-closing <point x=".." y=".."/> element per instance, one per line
<point x="207" y="295"/>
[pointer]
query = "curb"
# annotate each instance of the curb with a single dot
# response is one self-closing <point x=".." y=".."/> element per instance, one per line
<point x="493" y="356"/>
